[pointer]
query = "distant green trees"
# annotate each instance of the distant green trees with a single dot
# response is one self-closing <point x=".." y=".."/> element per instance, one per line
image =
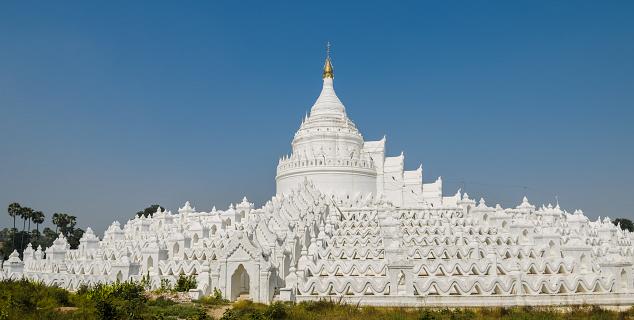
<point x="149" y="211"/>
<point x="626" y="224"/>
<point x="14" y="239"/>
<point x="25" y="213"/>
<point x="65" y="223"/>
<point x="14" y="211"/>
<point x="38" y="219"/>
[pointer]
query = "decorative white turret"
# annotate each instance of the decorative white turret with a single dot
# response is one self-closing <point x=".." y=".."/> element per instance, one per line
<point x="89" y="241"/>
<point x="14" y="265"/>
<point x="186" y="209"/>
<point x="58" y="250"/>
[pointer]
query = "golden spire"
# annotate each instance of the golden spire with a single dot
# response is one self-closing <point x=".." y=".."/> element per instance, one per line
<point x="329" y="72"/>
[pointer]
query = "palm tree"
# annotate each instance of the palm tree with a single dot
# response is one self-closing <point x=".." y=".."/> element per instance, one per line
<point x="31" y="215"/>
<point x="38" y="218"/>
<point x="14" y="210"/>
<point x="57" y="218"/>
<point x="25" y="213"/>
<point x="71" y="221"/>
<point x="63" y="224"/>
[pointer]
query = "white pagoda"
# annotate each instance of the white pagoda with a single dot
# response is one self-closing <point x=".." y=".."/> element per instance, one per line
<point x="349" y="222"/>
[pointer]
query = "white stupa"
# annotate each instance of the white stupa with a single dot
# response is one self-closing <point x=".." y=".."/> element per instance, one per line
<point x="329" y="151"/>
<point x="349" y="222"/>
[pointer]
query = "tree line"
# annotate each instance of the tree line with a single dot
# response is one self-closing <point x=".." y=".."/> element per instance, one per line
<point x="626" y="224"/>
<point x="15" y="239"/>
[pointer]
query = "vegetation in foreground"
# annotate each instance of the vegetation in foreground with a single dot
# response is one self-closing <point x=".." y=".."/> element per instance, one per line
<point x="332" y="310"/>
<point x="25" y="300"/>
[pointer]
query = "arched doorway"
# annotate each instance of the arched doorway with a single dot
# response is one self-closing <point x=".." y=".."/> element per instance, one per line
<point x="623" y="279"/>
<point x="239" y="283"/>
<point x="119" y="276"/>
<point x="150" y="263"/>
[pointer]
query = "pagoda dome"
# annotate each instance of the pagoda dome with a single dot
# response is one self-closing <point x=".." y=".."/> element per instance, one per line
<point x="327" y="131"/>
<point x="327" y="149"/>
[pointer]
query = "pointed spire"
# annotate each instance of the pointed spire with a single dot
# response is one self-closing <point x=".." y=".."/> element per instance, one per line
<point x="329" y="71"/>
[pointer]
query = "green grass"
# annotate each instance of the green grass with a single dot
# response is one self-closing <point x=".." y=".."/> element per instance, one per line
<point x="167" y="309"/>
<point x="336" y="311"/>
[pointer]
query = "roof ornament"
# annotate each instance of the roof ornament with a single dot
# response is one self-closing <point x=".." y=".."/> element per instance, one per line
<point x="328" y="69"/>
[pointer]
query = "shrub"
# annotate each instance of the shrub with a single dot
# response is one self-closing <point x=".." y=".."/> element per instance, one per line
<point x="201" y="315"/>
<point x="428" y="315"/>
<point x="166" y="286"/>
<point x="166" y="309"/>
<point x="146" y="282"/>
<point x="213" y="300"/>
<point x="120" y="300"/>
<point x="27" y="296"/>
<point x="185" y="283"/>
<point x="218" y="294"/>
<point x="230" y="315"/>
<point x="245" y="310"/>
<point x="161" y="302"/>
<point x="316" y="306"/>
<point x="276" y="310"/>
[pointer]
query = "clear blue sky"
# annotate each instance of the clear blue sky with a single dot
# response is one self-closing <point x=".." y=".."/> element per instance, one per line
<point x="108" y="107"/>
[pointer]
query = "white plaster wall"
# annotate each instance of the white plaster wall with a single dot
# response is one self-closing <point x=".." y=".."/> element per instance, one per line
<point x="330" y="181"/>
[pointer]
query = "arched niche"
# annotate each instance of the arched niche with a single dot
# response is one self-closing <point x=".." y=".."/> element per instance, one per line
<point x="175" y="249"/>
<point x="240" y="283"/>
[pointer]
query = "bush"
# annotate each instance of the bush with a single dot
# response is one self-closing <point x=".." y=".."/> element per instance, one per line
<point x="230" y="315"/>
<point x="166" y="286"/>
<point x="214" y="300"/>
<point x="201" y="315"/>
<point x="161" y="302"/>
<point x="245" y="310"/>
<point x="218" y="294"/>
<point x="26" y="297"/>
<point x="146" y="283"/>
<point x="428" y="315"/>
<point x="276" y="310"/>
<point x="120" y="300"/>
<point x="185" y="283"/>
<point x="166" y="309"/>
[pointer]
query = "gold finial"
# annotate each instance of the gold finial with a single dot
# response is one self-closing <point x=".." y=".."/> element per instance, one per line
<point x="328" y="69"/>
